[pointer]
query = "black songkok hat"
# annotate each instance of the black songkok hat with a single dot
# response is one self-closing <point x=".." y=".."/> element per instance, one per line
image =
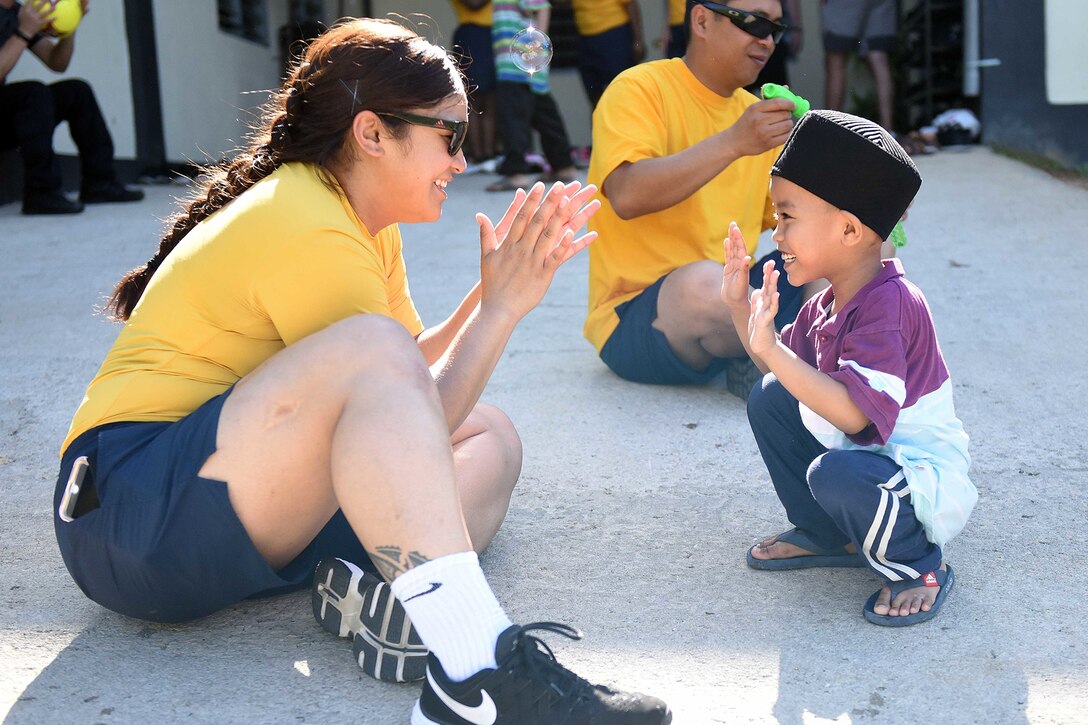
<point x="853" y="164"/>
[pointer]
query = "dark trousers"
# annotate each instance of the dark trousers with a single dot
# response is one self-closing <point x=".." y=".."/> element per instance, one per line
<point x="29" y="113"/>
<point x="604" y="56"/>
<point x="520" y="111"/>
<point x="839" y="496"/>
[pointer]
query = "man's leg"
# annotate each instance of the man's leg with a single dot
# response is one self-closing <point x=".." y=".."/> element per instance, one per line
<point x="75" y="103"/>
<point x="881" y="39"/>
<point x="28" y="122"/>
<point x="696" y="322"/>
<point x="835" y="79"/>
<point x="885" y="86"/>
<point x="693" y="318"/>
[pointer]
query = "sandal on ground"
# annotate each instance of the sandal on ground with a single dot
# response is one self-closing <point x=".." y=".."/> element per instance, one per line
<point x="819" y="557"/>
<point x="943" y="578"/>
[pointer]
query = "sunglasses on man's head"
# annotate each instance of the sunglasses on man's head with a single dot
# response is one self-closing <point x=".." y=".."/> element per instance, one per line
<point x="459" y="128"/>
<point x="755" y="25"/>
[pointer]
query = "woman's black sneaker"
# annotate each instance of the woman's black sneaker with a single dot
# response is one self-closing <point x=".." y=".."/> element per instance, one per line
<point x="530" y="687"/>
<point x="353" y="603"/>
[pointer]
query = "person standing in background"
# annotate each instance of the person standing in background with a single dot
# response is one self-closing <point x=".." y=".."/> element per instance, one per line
<point x="870" y="29"/>
<point x="610" y="41"/>
<point x="472" y="42"/>
<point x="525" y="101"/>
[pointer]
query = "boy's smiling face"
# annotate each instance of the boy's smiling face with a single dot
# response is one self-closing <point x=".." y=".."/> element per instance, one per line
<point x="808" y="233"/>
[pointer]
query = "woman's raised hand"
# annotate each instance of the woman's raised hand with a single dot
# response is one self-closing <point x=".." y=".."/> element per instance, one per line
<point x="519" y="255"/>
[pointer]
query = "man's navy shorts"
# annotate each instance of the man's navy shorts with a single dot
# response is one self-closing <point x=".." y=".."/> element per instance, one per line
<point x="639" y="352"/>
<point x="164" y="544"/>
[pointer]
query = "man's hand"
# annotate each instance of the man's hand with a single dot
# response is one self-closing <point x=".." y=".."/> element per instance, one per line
<point x="33" y="16"/>
<point x="763" y="126"/>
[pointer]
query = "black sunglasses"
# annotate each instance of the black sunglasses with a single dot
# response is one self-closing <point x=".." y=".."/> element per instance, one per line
<point x="459" y="128"/>
<point x="753" y="24"/>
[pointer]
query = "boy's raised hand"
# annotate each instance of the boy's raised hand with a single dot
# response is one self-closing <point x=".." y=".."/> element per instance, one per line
<point x="735" y="273"/>
<point x="761" y="333"/>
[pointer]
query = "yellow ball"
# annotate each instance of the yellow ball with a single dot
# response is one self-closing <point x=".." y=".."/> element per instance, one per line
<point x="66" y="16"/>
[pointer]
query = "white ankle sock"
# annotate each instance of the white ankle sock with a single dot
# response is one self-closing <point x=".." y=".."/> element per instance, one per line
<point x="455" y="612"/>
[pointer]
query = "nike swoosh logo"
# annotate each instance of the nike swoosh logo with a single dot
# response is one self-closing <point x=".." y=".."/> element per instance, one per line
<point x="434" y="586"/>
<point x="483" y="714"/>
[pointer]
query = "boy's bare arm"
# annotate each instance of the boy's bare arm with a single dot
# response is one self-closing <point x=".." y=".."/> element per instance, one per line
<point x="824" y="395"/>
<point x="821" y="393"/>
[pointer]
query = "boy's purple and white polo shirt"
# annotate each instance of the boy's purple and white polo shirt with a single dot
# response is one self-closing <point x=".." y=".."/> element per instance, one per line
<point x="883" y="347"/>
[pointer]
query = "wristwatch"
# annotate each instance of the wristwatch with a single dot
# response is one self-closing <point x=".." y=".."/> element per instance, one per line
<point x="25" y="38"/>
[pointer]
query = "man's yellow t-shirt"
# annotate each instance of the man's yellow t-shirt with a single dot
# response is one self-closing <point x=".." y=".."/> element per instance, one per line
<point x="593" y="17"/>
<point x="649" y="111"/>
<point x="285" y="259"/>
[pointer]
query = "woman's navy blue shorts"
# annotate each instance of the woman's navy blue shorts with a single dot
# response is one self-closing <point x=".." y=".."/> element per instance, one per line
<point x="163" y="543"/>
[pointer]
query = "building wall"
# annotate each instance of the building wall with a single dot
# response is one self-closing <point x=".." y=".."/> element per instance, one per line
<point x="1035" y="101"/>
<point x="211" y="82"/>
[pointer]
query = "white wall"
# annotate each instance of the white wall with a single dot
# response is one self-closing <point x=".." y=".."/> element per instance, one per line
<point x="1066" y="52"/>
<point x="100" y="58"/>
<point x="211" y="81"/>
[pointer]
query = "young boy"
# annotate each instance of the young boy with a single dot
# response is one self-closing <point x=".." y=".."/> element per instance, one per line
<point x="855" y="420"/>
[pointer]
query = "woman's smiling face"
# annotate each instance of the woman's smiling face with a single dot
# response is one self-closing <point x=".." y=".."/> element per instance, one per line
<point x="423" y="166"/>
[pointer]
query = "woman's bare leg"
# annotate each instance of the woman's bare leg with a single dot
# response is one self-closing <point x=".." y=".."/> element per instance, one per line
<point x="348" y="417"/>
<point x="487" y="463"/>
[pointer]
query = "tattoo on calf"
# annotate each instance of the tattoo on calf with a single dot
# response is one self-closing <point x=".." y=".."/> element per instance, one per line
<point x="392" y="562"/>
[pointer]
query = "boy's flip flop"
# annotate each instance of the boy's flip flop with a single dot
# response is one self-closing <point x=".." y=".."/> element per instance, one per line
<point x="820" y="557"/>
<point x="945" y="579"/>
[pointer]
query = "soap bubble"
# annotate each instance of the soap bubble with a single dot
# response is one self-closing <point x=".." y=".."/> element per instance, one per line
<point x="531" y="50"/>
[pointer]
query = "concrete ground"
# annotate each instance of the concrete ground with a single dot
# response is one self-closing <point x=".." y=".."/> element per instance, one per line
<point x="635" y="506"/>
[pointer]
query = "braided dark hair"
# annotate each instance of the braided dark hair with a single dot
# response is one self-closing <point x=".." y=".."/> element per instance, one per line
<point x="357" y="65"/>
